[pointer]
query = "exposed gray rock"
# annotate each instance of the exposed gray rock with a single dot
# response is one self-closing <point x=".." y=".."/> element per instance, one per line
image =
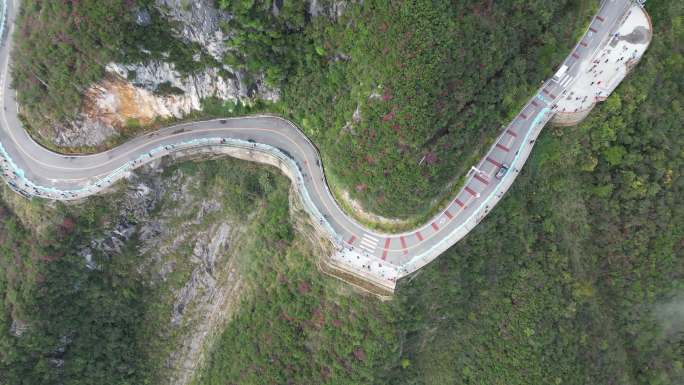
<point x="142" y="17"/>
<point x="208" y="247"/>
<point x="18" y="327"/>
<point x="199" y="22"/>
<point x="221" y="83"/>
<point x="330" y="9"/>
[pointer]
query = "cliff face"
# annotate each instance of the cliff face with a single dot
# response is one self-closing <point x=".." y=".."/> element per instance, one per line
<point x="187" y="252"/>
<point x="139" y="93"/>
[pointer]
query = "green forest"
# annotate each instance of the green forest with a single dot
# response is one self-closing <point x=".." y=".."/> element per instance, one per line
<point x="402" y="97"/>
<point x="577" y="276"/>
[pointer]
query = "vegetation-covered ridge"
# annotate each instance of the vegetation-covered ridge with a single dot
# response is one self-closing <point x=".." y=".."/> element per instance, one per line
<point x="66" y="320"/>
<point x="401" y="98"/>
<point x="577" y="277"/>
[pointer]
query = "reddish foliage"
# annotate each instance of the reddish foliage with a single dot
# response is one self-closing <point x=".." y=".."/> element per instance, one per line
<point x="359" y="354"/>
<point x="386" y="95"/>
<point x="396" y="127"/>
<point x="68" y="225"/>
<point x="431" y="158"/>
<point x="326" y="373"/>
<point x="317" y="318"/>
<point x="389" y="116"/>
<point x="49" y="258"/>
<point x="361" y="187"/>
<point x="303" y="287"/>
<point x="384" y="26"/>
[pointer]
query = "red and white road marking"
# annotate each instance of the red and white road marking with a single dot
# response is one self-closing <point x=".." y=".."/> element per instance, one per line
<point x="481" y="179"/>
<point x="502" y="147"/>
<point x="492" y="161"/>
<point x="368" y="243"/>
<point x="471" y="191"/>
<point x="384" y="252"/>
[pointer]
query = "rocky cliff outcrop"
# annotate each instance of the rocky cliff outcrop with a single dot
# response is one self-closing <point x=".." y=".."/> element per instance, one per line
<point x="140" y="93"/>
<point x="186" y="248"/>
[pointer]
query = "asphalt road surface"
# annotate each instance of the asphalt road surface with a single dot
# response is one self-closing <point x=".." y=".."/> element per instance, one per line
<point x="36" y="171"/>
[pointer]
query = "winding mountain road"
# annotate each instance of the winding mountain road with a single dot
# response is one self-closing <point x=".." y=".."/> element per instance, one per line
<point x="377" y="258"/>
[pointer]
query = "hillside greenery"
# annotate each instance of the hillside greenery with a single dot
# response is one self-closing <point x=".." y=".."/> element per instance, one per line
<point x="62" y="322"/>
<point x="577" y="276"/>
<point x="297" y="325"/>
<point x="400" y="98"/>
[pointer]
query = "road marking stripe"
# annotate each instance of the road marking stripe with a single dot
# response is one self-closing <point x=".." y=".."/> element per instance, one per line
<point x="371" y="237"/>
<point x="583" y="44"/>
<point x="351" y="240"/>
<point x="470" y="191"/>
<point x="512" y="133"/>
<point x="420" y="237"/>
<point x="593" y="30"/>
<point x="384" y="252"/>
<point x="501" y="146"/>
<point x="448" y="214"/>
<point x="403" y="241"/>
<point x="523" y="115"/>
<point x="458" y="202"/>
<point x="545" y="91"/>
<point x="575" y="55"/>
<point x="565" y="84"/>
<point x="552" y="96"/>
<point x="368" y="243"/>
<point x="481" y="179"/>
<point x="600" y="18"/>
<point x="434" y="226"/>
<point x="492" y="161"/>
<point x="367" y="248"/>
<point x="534" y="103"/>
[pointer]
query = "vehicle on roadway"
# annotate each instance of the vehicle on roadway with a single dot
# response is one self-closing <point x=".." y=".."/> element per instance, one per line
<point x="561" y="71"/>
<point x="502" y="171"/>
